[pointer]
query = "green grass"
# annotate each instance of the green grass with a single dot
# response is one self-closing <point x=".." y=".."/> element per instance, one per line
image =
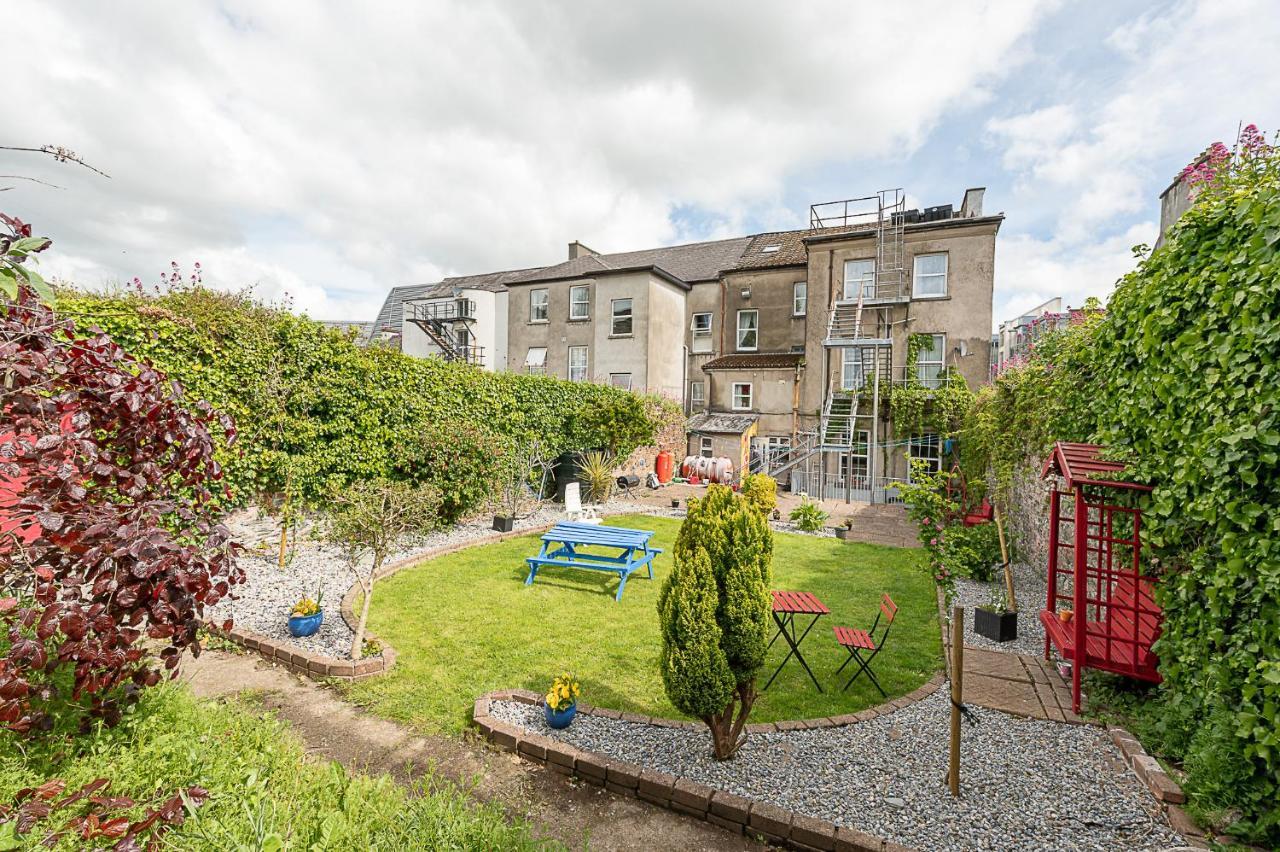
<point x="465" y="624"/>
<point x="265" y="794"/>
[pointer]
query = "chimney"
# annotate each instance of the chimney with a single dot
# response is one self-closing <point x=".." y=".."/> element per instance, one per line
<point x="577" y="250"/>
<point x="972" y="204"/>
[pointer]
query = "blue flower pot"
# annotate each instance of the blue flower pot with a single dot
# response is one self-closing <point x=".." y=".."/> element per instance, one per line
<point x="560" y="718"/>
<point x="305" y="625"/>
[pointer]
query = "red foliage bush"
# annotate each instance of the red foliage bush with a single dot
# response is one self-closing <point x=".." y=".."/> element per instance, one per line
<point x="109" y="529"/>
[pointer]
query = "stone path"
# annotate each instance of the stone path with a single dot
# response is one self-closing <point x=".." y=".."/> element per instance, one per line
<point x="576" y="814"/>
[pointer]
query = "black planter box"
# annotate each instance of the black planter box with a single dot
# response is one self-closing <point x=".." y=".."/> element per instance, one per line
<point x="501" y="523"/>
<point x="844" y="533"/>
<point x="997" y="626"/>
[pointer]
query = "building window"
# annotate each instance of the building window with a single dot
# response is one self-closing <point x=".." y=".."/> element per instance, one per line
<point x="704" y="447"/>
<point x="854" y="463"/>
<point x="851" y="374"/>
<point x="799" y="298"/>
<point x="537" y="306"/>
<point x="930" y="359"/>
<point x="742" y="396"/>
<point x="579" y="302"/>
<point x="776" y="448"/>
<point x="748" y="330"/>
<point x="577" y="363"/>
<point x="697" y="396"/>
<point x="620" y="380"/>
<point x="924" y="448"/>
<point x="621" y="318"/>
<point x="930" y="279"/>
<point x="859" y="275"/>
<point x="701" y="328"/>
<point x="535" y="361"/>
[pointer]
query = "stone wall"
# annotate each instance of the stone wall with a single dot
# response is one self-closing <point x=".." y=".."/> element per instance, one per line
<point x="670" y="437"/>
<point x="1027" y="515"/>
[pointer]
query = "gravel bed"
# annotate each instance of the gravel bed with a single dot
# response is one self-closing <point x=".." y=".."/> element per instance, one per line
<point x="1029" y="585"/>
<point x="1026" y="784"/>
<point x="267" y="595"/>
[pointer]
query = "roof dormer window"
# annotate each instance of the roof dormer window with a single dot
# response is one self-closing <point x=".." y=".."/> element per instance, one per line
<point x="771" y="248"/>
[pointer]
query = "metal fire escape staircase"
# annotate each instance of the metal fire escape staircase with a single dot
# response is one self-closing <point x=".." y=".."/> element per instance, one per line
<point x="845" y="413"/>
<point x="437" y="320"/>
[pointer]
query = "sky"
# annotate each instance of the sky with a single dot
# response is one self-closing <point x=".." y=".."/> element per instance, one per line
<point x="322" y="152"/>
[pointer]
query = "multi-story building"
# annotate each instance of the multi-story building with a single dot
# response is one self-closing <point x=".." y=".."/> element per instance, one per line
<point x="1015" y="335"/>
<point x="782" y="347"/>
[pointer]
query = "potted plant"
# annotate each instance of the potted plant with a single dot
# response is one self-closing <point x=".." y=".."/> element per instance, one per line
<point x="306" y="616"/>
<point x="524" y="481"/>
<point x="995" y="620"/>
<point x="845" y="533"/>
<point x="675" y="502"/>
<point x="561" y="702"/>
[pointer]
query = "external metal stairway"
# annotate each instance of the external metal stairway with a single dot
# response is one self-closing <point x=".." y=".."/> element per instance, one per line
<point x="440" y="321"/>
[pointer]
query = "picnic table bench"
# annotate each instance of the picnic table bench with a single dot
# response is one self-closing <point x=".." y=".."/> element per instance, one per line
<point x="560" y="547"/>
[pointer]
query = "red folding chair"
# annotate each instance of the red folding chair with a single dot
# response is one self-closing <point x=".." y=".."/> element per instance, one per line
<point x="862" y="644"/>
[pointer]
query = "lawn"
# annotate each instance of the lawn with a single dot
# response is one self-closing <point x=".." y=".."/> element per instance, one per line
<point x="465" y="624"/>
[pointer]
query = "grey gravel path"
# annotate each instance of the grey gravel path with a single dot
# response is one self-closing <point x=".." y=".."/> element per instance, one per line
<point x="1026" y="784"/>
<point x="1028" y="585"/>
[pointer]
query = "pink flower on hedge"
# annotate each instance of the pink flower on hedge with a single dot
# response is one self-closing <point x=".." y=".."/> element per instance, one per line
<point x="933" y="542"/>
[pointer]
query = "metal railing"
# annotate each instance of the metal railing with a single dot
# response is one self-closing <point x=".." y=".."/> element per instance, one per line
<point x="451" y="310"/>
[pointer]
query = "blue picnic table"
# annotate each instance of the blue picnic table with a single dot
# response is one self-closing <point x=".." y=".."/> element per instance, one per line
<point x="560" y="547"/>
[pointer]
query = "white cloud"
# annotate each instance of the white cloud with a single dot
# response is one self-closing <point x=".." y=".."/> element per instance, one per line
<point x="333" y="150"/>
<point x="1089" y="165"/>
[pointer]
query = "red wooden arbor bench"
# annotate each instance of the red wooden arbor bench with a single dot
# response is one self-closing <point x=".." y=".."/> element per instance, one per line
<point x="1113" y="616"/>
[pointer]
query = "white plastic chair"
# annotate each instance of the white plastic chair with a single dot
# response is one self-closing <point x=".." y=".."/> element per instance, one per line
<point x="573" y="506"/>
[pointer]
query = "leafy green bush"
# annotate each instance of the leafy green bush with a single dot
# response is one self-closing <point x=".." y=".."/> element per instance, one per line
<point x="309" y="402"/>
<point x="1180" y="378"/>
<point x="808" y="516"/>
<point x="264" y="792"/>
<point x="972" y="552"/>
<point x="723" y="557"/>
<point x="761" y="491"/>
<point x="463" y="461"/>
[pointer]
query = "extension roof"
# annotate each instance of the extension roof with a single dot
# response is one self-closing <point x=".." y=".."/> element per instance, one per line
<point x="756" y="361"/>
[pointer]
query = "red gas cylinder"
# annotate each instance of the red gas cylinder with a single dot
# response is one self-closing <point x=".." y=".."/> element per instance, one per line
<point x="662" y="466"/>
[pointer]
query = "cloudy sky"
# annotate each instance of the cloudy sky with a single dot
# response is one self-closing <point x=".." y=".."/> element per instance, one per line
<point x="330" y="150"/>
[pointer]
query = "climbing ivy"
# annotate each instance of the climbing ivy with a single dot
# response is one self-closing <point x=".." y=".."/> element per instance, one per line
<point x="317" y="409"/>
<point x="917" y="409"/>
<point x="1181" y="378"/>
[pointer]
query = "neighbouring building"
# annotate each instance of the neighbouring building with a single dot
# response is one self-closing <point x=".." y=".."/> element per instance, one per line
<point x="1015" y="335"/>
<point x="778" y="345"/>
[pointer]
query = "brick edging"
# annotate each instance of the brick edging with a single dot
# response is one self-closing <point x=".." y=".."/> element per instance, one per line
<point x="735" y="813"/>
<point x="1162" y="786"/>
<point x="303" y="662"/>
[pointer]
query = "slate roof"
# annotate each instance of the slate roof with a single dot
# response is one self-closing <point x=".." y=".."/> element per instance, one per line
<point x="756" y="361"/>
<point x="391" y="315"/>
<point x="791" y="249"/>
<point x="363" y="327"/>
<point x="689" y="263"/>
<point x="722" y="424"/>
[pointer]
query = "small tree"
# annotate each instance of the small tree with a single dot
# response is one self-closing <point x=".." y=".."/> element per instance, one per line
<point x="465" y="462"/>
<point x="761" y="490"/>
<point x="369" y="521"/>
<point x="714" y="609"/>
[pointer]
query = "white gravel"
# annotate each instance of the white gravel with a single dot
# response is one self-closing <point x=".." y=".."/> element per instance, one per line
<point x="1026" y="784"/>
<point x="1029" y="586"/>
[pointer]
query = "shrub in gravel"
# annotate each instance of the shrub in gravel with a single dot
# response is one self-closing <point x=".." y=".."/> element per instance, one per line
<point x="734" y="539"/>
<point x="462" y="460"/>
<point x="695" y="672"/>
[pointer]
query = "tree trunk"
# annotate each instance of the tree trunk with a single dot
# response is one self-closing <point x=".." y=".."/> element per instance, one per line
<point x="357" y="644"/>
<point x="727" y="726"/>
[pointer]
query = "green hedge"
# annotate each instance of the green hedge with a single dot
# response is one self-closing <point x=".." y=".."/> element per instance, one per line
<point x="1181" y="378"/>
<point x="305" y="398"/>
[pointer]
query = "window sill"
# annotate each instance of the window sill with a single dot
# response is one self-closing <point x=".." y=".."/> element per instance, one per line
<point x="916" y="298"/>
<point x="539" y="322"/>
<point x="579" y="319"/>
<point x="620" y="336"/>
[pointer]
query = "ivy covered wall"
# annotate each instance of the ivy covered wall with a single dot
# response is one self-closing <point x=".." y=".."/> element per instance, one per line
<point x="310" y="404"/>
<point x="1181" y="378"/>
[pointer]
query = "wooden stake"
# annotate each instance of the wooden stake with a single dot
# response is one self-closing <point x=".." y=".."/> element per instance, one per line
<point x="957" y="695"/>
<point x="1004" y="558"/>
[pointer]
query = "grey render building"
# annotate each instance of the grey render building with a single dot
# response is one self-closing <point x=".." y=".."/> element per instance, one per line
<point x="770" y="341"/>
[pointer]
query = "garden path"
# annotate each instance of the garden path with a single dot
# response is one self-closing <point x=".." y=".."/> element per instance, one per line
<point x="564" y="809"/>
